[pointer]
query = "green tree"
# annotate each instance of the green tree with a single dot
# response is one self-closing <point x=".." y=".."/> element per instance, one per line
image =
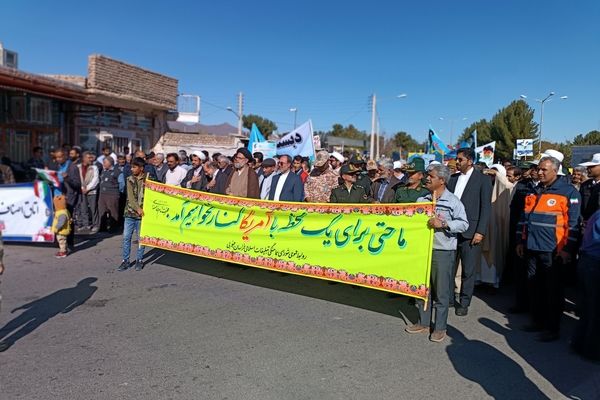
<point x="512" y="122"/>
<point x="484" y="132"/>
<point x="350" y="132"/>
<point x="265" y="126"/>
<point x="405" y="141"/>
<point x="590" y="138"/>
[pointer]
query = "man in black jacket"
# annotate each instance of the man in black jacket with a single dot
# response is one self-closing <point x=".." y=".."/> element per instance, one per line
<point x="195" y="178"/>
<point x="475" y="192"/>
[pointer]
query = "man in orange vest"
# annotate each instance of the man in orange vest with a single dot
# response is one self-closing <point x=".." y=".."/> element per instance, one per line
<point x="548" y="234"/>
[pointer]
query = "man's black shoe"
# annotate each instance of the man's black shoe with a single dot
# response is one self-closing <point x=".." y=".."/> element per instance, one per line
<point x="461" y="311"/>
<point x="139" y="265"/>
<point x="532" y="328"/>
<point x="4" y="346"/>
<point x="547" y="336"/>
<point x="124" y="266"/>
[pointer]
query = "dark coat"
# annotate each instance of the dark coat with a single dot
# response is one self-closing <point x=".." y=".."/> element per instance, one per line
<point x="590" y="198"/>
<point x="222" y="180"/>
<point x="356" y="195"/>
<point x="293" y="188"/>
<point x="72" y="184"/>
<point x="200" y="185"/>
<point x="389" y="192"/>
<point x="477" y="199"/>
<point x="253" y="191"/>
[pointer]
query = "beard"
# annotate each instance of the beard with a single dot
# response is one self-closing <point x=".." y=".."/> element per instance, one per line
<point x="238" y="165"/>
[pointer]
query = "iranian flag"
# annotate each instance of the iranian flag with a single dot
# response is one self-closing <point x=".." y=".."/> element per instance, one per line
<point x="48" y="175"/>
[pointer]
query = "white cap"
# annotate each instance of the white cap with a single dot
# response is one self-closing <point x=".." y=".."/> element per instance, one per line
<point x="595" y="161"/>
<point x="500" y="168"/>
<point x="397" y="164"/>
<point x="337" y="156"/>
<point x="434" y="162"/>
<point x="553" y="153"/>
<point x="199" y="154"/>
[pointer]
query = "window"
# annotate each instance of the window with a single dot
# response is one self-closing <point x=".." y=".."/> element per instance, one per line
<point x="18" y="109"/>
<point x="41" y="111"/>
<point x="88" y="139"/>
<point x="21" y="146"/>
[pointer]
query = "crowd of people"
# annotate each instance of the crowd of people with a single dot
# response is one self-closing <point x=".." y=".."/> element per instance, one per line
<point x="537" y="226"/>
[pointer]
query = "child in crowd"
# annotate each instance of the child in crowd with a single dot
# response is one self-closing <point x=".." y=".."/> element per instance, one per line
<point x="133" y="214"/>
<point x="61" y="225"/>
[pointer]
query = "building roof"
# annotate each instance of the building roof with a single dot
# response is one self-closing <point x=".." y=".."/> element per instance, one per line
<point x="109" y="82"/>
<point x="223" y="129"/>
<point x="39" y="84"/>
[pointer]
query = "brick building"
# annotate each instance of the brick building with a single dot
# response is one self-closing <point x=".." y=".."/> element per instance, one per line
<point x="116" y="104"/>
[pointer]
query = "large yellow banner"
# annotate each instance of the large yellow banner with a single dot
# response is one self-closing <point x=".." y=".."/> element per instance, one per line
<point x="381" y="246"/>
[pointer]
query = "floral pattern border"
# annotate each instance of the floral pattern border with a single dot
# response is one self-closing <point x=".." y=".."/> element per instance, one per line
<point x="340" y="275"/>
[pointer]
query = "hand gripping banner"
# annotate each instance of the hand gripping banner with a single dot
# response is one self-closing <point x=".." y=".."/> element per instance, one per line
<point x="380" y="246"/>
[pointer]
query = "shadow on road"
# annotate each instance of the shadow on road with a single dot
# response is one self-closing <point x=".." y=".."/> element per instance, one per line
<point x="568" y="373"/>
<point x="86" y="241"/>
<point x="41" y="310"/>
<point x="364" y="298"/>
<point x="499" y="375"/>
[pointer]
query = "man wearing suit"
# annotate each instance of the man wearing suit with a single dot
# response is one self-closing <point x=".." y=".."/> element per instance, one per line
<point x="475" y="192"/>
<point x="286" y="186"/>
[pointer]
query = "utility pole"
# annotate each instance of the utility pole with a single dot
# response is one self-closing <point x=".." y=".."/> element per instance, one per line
<point x="240" y="112"/>
<point x="378" y="140"/>
<point x="373" y="112"/>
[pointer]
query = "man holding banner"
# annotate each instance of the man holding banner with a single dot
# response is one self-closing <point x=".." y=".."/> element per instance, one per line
<point x="243" y="182"/>
<point x="450" y="220"/>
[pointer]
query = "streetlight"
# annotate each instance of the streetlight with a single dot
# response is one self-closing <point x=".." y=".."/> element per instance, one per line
<point x="452" y="121"/>
<point x="375" y="126"/>
<point x="295" y="111"/>
<point x="542" y="114"/>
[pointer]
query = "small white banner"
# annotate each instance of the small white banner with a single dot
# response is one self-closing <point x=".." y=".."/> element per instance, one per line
<point x="26" y="212"/>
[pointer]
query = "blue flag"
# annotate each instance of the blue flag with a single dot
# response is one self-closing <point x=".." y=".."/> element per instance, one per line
<point x="255" y="136"/>
<point x="436" y="144"/>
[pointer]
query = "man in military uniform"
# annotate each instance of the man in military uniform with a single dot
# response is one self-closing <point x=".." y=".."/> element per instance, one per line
<point x="349" y="191"/>
<point x="362" y="179"/>
<point x="414" y="188"/>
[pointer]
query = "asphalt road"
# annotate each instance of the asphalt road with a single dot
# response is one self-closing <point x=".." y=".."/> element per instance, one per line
<point x="191" y="328"/>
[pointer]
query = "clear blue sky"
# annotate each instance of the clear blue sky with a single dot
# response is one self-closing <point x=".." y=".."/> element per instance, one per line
<point x="454" y="59"/>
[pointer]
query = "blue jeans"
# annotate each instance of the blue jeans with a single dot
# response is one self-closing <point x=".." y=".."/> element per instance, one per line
<point x="131" y="225"/>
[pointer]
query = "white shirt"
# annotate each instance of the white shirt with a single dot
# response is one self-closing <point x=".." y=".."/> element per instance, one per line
<point x="266" y="186"/>
<point x="280" y="184"/>
<point x="175" y="176"/>
<point x="461" y="183"/>
<point x="102" y="157"/>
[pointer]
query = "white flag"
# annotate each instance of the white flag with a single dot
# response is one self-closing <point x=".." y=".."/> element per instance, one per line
<point x="298" y="142"/>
